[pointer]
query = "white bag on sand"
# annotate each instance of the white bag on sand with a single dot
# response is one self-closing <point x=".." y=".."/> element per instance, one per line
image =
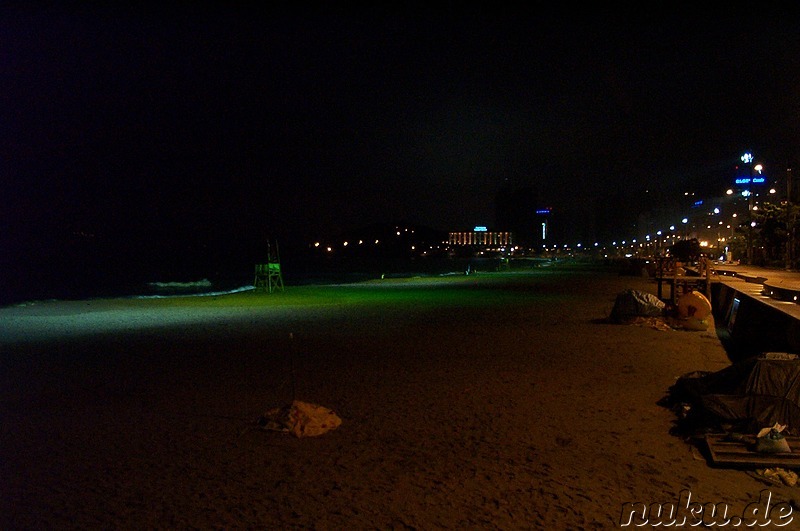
<point x="300" y="418"/>
<point x="694" y="305"/>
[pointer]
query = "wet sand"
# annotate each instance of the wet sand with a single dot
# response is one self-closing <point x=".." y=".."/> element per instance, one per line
<point x="508" y="405"/>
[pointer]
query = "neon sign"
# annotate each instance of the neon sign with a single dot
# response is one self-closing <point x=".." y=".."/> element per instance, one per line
<point x="480" y="229"/>
<point x="748" y="180"/>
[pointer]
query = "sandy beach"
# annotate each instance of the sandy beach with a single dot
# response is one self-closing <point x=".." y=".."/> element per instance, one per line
<point x="494" y="401"/>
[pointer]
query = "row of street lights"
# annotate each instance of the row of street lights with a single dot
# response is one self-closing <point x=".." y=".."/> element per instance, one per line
<point x="748" y="185"/>
<point x="747" y="158"/>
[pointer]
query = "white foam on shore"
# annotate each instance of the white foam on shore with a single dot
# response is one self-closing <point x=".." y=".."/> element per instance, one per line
<point x="205" y="283"/>
<point x="174" y="294"/>
<point x="202" y="294"/>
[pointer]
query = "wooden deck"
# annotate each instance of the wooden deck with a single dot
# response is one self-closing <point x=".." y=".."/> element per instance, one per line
<point x="725" y="451"/>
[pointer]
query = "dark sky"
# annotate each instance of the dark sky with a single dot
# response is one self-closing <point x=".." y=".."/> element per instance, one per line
<point x="158" y="126"/>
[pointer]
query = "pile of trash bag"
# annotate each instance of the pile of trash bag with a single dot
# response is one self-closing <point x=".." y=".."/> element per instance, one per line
<point x="744" y="397"/>
<point x="632" y="303"/>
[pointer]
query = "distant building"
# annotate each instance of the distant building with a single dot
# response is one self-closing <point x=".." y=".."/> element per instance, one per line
<point x="480" y="236"/>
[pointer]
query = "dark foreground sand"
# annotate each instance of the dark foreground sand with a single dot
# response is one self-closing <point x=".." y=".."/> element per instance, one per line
<point x="497" y="415"/>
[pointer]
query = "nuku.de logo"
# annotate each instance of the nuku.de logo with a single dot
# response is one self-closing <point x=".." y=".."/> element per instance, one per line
<point x="685" y="512"/>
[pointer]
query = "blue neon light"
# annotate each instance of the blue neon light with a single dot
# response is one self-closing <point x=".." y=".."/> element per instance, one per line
<point x="748" y="180"/>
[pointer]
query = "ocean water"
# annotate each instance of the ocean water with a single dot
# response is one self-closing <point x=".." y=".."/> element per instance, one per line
<point x="85" y="288"/>
<point x="96" y="279"/>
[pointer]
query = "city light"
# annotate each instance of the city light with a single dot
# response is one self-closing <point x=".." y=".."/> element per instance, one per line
<point x="723" y="237"/>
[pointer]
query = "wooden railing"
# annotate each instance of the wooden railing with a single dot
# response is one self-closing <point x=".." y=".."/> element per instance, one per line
<point x="683" y="277"/>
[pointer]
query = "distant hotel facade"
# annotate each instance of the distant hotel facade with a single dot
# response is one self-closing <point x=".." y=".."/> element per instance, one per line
<point x="481" y="236"/>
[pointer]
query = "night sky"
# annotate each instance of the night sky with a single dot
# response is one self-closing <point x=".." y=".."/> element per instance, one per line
<point x="194" y="127"/>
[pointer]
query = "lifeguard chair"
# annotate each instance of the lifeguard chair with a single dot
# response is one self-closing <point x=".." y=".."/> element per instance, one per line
<point x="268" y="276"/>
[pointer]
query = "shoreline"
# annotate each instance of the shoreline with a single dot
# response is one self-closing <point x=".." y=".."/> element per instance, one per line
<point x="324" y="274"/>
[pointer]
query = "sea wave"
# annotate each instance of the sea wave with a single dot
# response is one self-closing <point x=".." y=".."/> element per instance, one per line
<point x="205" y="283"/>
<point x="172" y="292"/>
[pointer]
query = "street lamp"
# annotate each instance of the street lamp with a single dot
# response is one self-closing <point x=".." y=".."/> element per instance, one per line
<point x="747" y="158"/>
